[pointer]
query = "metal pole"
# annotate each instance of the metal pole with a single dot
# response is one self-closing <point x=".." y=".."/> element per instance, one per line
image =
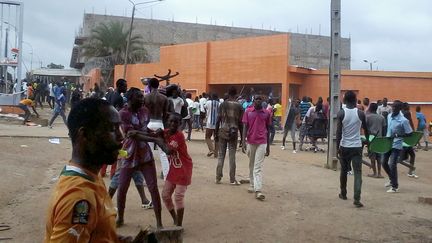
<point x="20" y="41"/>
<point x="370" y="64"/>
<point x="334" y="79"/>
<point x="128" y="43"/>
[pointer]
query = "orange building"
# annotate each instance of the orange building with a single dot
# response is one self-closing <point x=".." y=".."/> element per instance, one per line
<point x="262" y="63"/>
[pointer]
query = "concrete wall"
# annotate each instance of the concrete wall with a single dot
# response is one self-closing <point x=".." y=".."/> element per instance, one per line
<point x="306" y="50"/>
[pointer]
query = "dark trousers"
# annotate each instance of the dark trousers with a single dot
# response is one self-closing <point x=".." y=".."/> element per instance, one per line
<point x="389" y="165"/>
<point x="26" y="110"/>
<point x="348" y="156"/>
<point x="232" y="146"/>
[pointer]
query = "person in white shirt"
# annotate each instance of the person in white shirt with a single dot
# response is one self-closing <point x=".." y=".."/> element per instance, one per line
<point x="187" y="120"/>
<point x="196" y="113"/>
<point x="202" y="102"/>
<point x="212" y="107"/>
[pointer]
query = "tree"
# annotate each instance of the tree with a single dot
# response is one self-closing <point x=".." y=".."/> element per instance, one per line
<point x="107" y="44"/>
<point x="55" y="66"/>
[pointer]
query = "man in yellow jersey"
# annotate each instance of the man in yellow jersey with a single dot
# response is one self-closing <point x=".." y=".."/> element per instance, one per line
<point x="23" y="105"/>
<point x="81" y="209"/>
<point x="277" y="107"/>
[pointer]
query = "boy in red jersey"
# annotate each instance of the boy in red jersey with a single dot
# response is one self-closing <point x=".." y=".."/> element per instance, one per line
<point x="180" y="171"/>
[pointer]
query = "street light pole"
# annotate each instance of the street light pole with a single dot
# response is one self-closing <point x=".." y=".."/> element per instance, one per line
<point x="126" y="56"/>
<point x="370" y="63"/>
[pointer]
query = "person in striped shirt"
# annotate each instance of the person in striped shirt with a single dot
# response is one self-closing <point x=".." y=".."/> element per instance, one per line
<point x="211" y="107"/>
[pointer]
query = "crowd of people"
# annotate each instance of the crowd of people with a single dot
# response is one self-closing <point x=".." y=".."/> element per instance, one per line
<point x="136" y="124"/>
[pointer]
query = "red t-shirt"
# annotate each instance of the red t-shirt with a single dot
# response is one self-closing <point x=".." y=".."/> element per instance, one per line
<point x="180" y="171"/>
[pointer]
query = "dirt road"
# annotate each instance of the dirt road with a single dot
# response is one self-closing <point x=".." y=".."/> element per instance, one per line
<point x="301" y="204"/>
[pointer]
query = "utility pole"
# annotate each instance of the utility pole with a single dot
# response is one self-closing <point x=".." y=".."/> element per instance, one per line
<point x="126" y="56"/>
<point x="334" y="79"/>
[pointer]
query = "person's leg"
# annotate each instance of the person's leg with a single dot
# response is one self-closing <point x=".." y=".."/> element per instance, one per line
<point x="114" y="184"/>
<point x="232" y="146"/>
<point x="208" y="134"/>
<point x="426" y="138"/>
<point x="216" y="145"/>
<point x="189" y="124"/>
<point x="167" y="192"/>
<point x="385" y="163"/>
<point x="138" y="179"/>
<point x="53" y="118"/>
<point x="302" y="135"/>
<point x="179" y="194"/>
<point x="344" y="161"/>
<point x="411" y="154"/>
<point x="272" y="132"/>
<point x="124" y="182"/>
<point x="357" y="167"/>
<point x="373" y="159"/>
<point x="251" y="150"/>
<point x="113" y="170"/>
<point x="393" y="168"/>
<point x="26" y="112"/>
<point x="258" y="165"/>
<point x="63" y="115"/>
<point x="293" y="132"/>
<point x="285" y="133"/>
<point x="149" y="171"/>
<point x="221" y="159"/>
<point x="379" y="158"/>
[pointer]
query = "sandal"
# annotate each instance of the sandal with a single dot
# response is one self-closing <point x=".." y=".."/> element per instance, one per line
<point x="148" y="205"/>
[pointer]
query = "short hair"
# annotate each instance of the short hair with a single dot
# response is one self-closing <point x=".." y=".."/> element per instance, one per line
<point x="398" y="104"/>
<point x="319" y="107"/>
<point x="87" y="114"/>
<point x="305" y="99"/>
<point x="418" y="108"/>
<point x="120" y="82"/>
<point x="188" y="95"/>
<point x="373" y="107"/>
<point x="132" y="91"/>
<point x="232" y="91"/>
<point x="366" y="101"/>
<point x="214" y="96"/>
<point x="176" y="115"/>
<point x="153" y="83"/>
<point x="350" y="97"/>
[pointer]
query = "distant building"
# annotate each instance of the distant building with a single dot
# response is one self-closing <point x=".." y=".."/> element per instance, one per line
<point x="310" y="51"/>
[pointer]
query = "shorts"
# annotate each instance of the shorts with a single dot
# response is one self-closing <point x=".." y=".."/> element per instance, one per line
<point x="137" y="177"/>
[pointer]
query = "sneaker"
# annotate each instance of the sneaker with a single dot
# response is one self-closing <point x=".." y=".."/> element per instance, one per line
<point x="283" y="147"/>
<point x="148" y="205"/>
<point x="294" y="151"/>
<point x="251" y="189"/>
<point x="388" y="184"/>
<point x="413" y="175"/>
<point x="358" y="204"/>
<point x="218" y="181"/>
<point x="235" y="183"/>
<point x="350" y="173"/>
<point x="393" y="190"/>
<point x="343" y="197"/>
<point x="259" y="196"/>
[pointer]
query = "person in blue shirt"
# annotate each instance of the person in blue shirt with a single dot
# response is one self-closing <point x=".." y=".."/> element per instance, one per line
<point x="421" y="127"/>
<point x="398" y="127"/>
<point x="59" y="108"/>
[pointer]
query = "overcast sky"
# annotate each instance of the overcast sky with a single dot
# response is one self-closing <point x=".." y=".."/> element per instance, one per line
<point x="395" y="33"/>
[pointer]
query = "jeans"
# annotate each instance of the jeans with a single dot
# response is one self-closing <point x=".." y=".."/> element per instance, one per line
<point x="272" y="131"/>
<point x="389" y="165"/>
<point x="347" y="156"/>
<point x="232" y="145"/>
<point x="62" y="114"/>
<point x="212" y="147"/>
<point x="256" y="153"/>
<point x="196" y="121"/>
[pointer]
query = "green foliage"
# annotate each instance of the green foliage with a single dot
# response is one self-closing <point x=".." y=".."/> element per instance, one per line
<point x="110" y="39"/>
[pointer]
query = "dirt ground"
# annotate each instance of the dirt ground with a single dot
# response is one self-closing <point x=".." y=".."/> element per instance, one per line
<point x="301" y="198"/>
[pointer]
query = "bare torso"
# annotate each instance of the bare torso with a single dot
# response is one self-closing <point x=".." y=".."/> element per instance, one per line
<point x="158" y="105"/>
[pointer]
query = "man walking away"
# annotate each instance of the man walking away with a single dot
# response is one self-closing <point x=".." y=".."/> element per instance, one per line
<point x="349" y="144"/>
<point x="226" y="134"/>
<point x="421" y="126"/>
<point x="375" y="124"/>
<point x="59" y="109"/>
<point x="211" y="108"/>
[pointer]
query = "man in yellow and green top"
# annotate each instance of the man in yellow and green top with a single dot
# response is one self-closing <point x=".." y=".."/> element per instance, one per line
<point x="277" y="107"/>
<point x="81" y="209"/>
<point x="23" y="105"/>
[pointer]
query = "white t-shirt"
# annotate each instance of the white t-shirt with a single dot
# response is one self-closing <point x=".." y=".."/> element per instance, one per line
<point x="196" y="108"/>
<point x="178" y="103"/>
<point x="202" y="103"/>
<point x="189" y="108"/>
